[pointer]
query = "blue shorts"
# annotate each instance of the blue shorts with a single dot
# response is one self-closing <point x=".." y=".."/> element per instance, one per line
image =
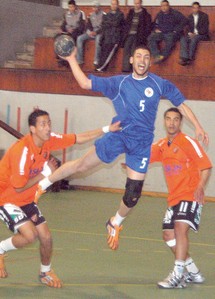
<point x="137" y="151"/>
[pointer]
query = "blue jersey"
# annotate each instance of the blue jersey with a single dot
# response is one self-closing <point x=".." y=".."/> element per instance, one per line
<point x="136" y="100"/>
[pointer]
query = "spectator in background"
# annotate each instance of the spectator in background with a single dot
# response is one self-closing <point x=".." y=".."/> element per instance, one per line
<point x="136" y="31"/>
<point x="93" y="31"/>
<point x="112" y="29"/>
<point x="74" y="20"/>
<point x="198" y="29"/>
<point x="168" y="27"/>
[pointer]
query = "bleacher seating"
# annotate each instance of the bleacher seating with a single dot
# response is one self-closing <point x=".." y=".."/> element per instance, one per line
<point x="196" y="80"/>
<point x="46" y="59"/>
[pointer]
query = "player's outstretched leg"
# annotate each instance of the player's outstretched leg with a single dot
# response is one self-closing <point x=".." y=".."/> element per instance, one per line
<point x="3" y="271"/>
<point x="50" y="279"/>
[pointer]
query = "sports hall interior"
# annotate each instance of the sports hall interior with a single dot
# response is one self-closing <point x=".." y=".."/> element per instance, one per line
<point x="30" y="77"/>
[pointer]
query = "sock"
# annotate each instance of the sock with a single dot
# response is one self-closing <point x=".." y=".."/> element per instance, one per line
<point x="45" y="268"/>
<point x="191" y="266"/>
<point x="6" y="245"/>
<point x="117" y="219"/>
<point x="179" y="267"/>
<point x="45" y="183"/>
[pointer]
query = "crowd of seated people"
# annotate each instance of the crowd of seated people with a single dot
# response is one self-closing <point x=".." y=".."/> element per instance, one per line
<point x="112" y="30"/>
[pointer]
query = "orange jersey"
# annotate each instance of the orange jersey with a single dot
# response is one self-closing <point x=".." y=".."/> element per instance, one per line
<point x="182" y="161"/>
<point x="23" y="161"/>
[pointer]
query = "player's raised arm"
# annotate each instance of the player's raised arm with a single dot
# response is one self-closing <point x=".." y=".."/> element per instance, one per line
<point x="90" y="135"/>
<point x="188" y="113"/>
<point x="79" y="75"/>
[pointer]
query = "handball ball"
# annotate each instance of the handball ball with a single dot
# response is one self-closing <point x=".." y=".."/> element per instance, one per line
<point x="63" y="45"/>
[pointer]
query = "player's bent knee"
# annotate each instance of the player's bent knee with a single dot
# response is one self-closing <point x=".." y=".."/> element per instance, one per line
<point x="168" y="235"/>
<point x="171" y="243"/>
<point x="133" y="189"/>
<point x="31" y="237"/>
<point x="46" y="240"/>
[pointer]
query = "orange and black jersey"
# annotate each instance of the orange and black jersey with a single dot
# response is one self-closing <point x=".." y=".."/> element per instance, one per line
<point x="182" y="162"/>
<point x="24" y="160"/>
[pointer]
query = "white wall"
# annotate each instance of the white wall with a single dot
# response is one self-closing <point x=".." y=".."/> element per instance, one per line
<point x="145" y="2"/>
<point x="91" y="112"/>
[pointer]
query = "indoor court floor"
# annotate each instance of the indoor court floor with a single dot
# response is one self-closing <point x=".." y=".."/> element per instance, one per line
<point x="89" y="269"/>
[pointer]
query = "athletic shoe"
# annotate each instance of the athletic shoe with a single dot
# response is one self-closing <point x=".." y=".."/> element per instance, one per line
<point x="173" y="281"/>
<point x="99" y="70"/>
<point x="158" y="59"/>
<point x="190" y="277"/>
<point x="3" y="271"/>
<point x="113" y="234"/>
<point x="38" y="193"/>
<point x="50" y="279"/>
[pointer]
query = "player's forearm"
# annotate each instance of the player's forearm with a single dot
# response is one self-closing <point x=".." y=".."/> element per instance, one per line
<point x="88" y="136"/>
<point x="79" y="75"/>
<point x="189" y="115"/>
<point x="204" y="176"/>
<point x="31" y="182"/>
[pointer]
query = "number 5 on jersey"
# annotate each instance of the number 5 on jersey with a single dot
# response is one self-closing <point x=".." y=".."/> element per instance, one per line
<point x="144" y="163"/>
<point x="142" y="105"/>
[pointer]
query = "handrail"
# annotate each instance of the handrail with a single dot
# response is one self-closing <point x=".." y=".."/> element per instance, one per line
<point x="10" y="130"/>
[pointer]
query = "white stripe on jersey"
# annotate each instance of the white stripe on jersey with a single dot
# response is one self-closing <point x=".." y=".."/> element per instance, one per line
<point x="118" y="94"/>
<point x="56" y="135"/>
<point x="23" y="161"/>
<point x="156" y="83"/>
<point x="195" y="145"/>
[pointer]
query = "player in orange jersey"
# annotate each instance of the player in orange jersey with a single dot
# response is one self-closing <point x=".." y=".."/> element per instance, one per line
<point x="186" y="169"/>
<point x="25" y="163"/>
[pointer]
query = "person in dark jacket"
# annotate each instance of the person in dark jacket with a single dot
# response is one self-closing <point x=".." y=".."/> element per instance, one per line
<point x="112" y="29"/>
<point x="136" y="31"/>
<point x="168" y="27"/>
<point x="198" y="30"/>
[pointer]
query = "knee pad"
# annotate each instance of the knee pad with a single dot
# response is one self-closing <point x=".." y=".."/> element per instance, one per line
<point x="133" y="189"/>
<point x="171" y="243"/>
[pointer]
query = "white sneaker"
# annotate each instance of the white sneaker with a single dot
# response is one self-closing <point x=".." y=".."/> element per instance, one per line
<point x="194" y="278"/>
<point x="173" y="281"/>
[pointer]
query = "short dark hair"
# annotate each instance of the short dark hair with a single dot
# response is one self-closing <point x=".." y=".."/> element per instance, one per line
<point x="143" y="47"/>
<point x="72" y="2"/>
<point x="196" y="3"/>
<point x="32" y="118"/>
<point x="165" y="1"/>
<point x="173" y="109"/>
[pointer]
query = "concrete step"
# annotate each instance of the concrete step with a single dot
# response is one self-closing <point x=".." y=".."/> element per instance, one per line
<point x="26" y="56"/>
<point x="29" y="47"/>
<point x="18" y="64"/>
<point x="23" y="64"/>
<point x="50" y="31"/>
<point x="9" y="64"/>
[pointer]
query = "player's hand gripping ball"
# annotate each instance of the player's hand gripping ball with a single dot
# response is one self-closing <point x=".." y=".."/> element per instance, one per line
<point x="63" y="45"/>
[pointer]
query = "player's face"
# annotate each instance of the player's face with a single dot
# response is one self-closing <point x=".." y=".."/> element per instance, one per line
<point x="137" y="4"/>
<point x="141" y="61"/>
<point x="42" y="130"/>
<point x="195" y="9"/>
<point x="165" y="7"/>
<point x="114" y="5"/>
<point x="172" y="123"/>
<point x="96" y="9"/>
<point x="71" y="7"/>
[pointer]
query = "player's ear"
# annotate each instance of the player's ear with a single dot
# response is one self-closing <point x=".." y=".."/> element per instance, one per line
<point x="131" y="60"/>
<point x="32" y="129"/>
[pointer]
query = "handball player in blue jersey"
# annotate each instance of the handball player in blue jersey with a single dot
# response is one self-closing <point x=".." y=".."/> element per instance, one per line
<point x="135" y="98"/>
